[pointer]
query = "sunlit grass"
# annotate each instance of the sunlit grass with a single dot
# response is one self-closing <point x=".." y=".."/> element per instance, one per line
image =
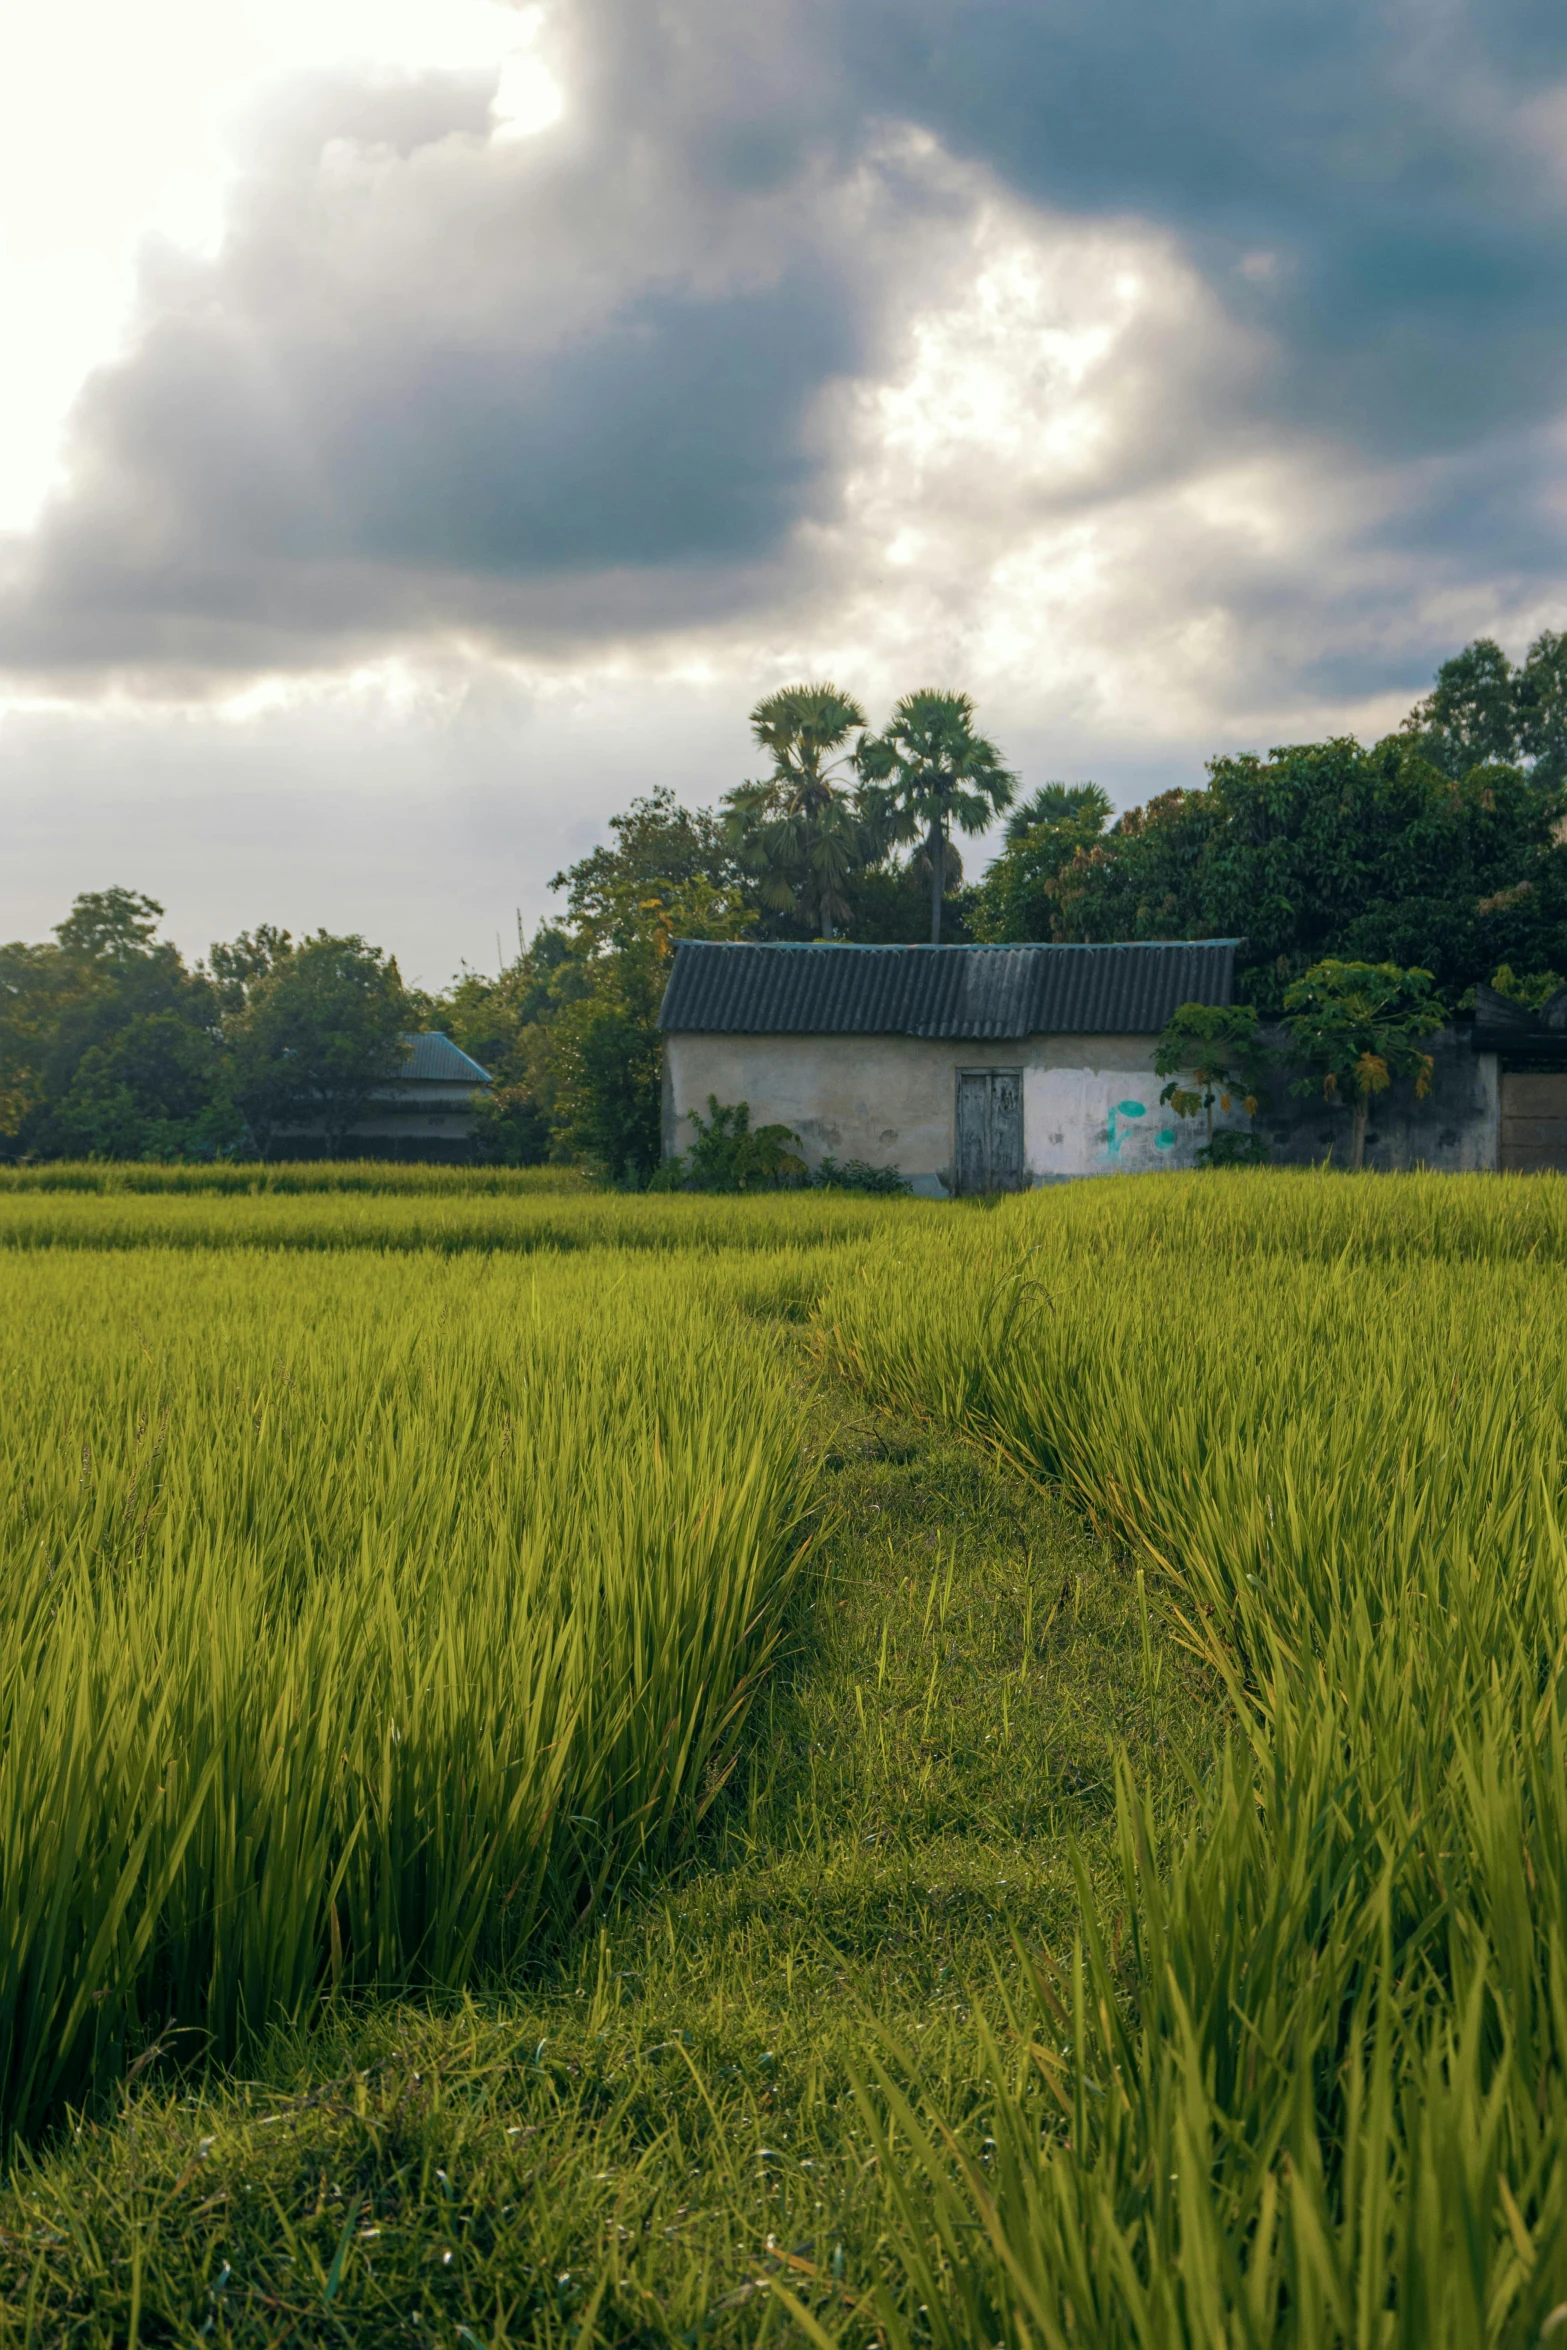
<point x="361" y="1622"/>
<point x="449" y="1223"/>
<point x="228" y="1178"/>
<point x="1303" y="2080"/>
<point x="1136" y="1912"/>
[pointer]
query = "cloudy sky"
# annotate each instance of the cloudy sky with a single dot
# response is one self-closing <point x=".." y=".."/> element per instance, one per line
<point x="426" y="423"/>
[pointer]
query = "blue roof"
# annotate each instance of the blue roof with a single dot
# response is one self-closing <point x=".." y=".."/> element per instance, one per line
<point x="960" y="991"/>
<point x="433" y="1055"/>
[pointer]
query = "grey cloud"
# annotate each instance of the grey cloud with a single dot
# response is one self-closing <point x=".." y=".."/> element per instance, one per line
<point x="435" y="382"/>
<point x="1376" y="150"/>
<point x="574" y="388"/>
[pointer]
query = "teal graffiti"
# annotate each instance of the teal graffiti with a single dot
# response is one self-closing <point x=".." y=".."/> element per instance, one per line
<point x="1164" y="1140"/>
<point x="1123" y="1110"/>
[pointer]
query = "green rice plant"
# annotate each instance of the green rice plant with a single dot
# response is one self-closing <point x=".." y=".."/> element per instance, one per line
<point x="448" y="1224"/>
<point x="230" y="1177"/>
<point x="1306" y="2082"/>
<point x="364" y="1620"/>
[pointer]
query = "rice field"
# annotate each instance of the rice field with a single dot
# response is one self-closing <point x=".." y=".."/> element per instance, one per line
<point x="1299" y="2077"/>
<point x="921" y="1776"/>
<point x="361" y="1621"/>
<point x="443" y="1222"/>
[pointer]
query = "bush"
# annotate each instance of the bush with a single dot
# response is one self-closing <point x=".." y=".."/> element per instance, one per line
<point x="729" y="1155"/>
<point x="1231" y="1149"/>
<point x="858" y="1175"/>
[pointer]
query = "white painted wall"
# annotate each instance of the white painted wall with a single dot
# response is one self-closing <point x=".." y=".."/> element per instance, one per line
<point x="1090" y="1104"/>
<point x="1102" y="1117"/>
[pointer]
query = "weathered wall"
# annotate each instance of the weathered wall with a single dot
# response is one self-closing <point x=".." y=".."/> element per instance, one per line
<point x="1090" y="1104"/>
<point x="1456" y="1127"/>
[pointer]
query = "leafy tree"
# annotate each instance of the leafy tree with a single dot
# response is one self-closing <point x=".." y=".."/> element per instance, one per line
<point x="928" y="771"/>
<point x="656" y="846"/>
<point x="1219" y="1048"/>
<point x="1358" y="1026"/>
<point x="889" y="903"/>
<point x="240" y="964"/>
<point x="669" y="873"/>
<point x="1483" y="710"/>
<point x="1328" y="849"/>
<point x="504" y="1024"/>
<point x="1540" y="688"/>
<point x="1144" y="878"/>
<point x="109" y="1046"/>
<point x="319" y="1033"/>
<point x="1471" y="716"/>
<point x="1016" y="898"/>
<point x="799" y="837"/>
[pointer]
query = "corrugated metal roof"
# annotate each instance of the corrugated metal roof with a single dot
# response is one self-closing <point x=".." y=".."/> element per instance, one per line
<point x="1501" y="1026"/>
<point x="942" y="991"/>
<point x="435" y="1055"/>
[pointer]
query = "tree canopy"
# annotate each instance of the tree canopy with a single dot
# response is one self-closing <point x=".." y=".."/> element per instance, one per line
<point x="929" y="771"/>
<point x="1331" y="849"/>
<point x="801" y="836"/>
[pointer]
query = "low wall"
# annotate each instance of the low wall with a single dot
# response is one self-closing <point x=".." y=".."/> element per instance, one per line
<point x="1457" y="1126"/>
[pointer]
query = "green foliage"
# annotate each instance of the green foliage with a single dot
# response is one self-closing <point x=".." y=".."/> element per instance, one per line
<point x="668" y="874"/>
<point x="1016" y="899"/>
<point x="1219" y="1047"/>
<point x="109" y="1047"/>
<point x="859" y="1175"/>
<point x="1358" y="1026"/>
<point x="729" y="1154"/>
<point x="1327" y="849"/>
<point x="1482" y="710"/>
<point x="889" y="903"/>
<point x="362" y="1625"/>
<point x="1534" y="989"/>
<point x="503" y="1023"/>
<point x="1304" y="2056"/>
<point x="319" y="1032"/>
<point x="1231" y="1148"/>
<point x="799" y="837"/>
<point x="928" y="771"/>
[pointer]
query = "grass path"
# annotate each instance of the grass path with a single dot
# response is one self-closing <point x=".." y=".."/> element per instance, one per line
<point x="636" y="2144"/>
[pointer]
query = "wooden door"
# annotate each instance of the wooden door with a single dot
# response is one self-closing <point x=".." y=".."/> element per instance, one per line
<point x="989" y="1131"/>
<point x="973" y="1155"/>
<point x="1534" y="1122"/>
<point x="1006" y="1130"/>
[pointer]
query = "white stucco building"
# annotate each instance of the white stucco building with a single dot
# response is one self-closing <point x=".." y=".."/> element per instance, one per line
<point x="967" y="1068"/>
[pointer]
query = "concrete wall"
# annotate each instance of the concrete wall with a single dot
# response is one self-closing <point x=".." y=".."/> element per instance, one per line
<point x="1456" y="1127"/>
<point x="1090" y="1104"/>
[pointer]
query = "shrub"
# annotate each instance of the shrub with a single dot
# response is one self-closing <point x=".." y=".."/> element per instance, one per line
<point x="1231" y="1149"/>
<point x="858" y="1175"/>
<point x="729" y="1154"/>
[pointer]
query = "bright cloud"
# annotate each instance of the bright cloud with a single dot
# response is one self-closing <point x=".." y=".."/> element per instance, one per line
<point x="409" y="401"/>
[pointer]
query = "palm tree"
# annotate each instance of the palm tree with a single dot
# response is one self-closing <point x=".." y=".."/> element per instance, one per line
<point x="931" y="770"/>
<point x="799" y="832"/>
